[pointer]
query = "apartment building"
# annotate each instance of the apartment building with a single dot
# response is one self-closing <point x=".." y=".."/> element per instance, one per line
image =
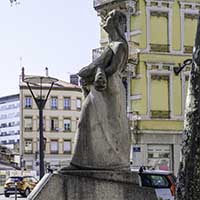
<point x="10" y="121"/>
<point x="61" y="114"/>
<point x="161" y="35"/>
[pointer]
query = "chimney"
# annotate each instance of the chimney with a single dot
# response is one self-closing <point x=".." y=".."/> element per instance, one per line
<point x="74" y="79"/>
<point x="46" y="71"/>
<point x="23" y="74"/>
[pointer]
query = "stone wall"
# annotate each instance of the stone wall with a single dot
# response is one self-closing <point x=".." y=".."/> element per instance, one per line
<point x="93" y="185"/>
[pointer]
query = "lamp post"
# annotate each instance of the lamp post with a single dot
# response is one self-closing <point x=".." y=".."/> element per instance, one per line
<point x="186" y="62"/>
<point x="40" y="82"/>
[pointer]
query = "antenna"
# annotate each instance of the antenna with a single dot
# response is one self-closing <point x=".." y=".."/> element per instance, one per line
<point x="20" y="61"/>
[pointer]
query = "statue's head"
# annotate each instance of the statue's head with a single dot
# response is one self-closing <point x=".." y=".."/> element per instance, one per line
<point x="115" y="21"/>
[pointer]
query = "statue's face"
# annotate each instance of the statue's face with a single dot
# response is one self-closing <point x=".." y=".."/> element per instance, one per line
<point x="108" y="24"/>
<point x="114" y="20"/>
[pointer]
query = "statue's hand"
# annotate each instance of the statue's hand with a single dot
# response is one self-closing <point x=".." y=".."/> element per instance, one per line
<point x="88" y="71"/>
<point x="196" y="55"/>
<point x="100" y="82"/>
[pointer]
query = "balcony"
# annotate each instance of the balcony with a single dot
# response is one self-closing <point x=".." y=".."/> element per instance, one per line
<point x="97" y="52"/>
<point x="100" y="3"/>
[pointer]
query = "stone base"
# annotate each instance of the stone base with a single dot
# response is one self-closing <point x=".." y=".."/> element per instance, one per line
<point x="92" y="185"/>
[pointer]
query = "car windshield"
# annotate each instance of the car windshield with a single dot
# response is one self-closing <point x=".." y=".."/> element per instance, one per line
<point x="154" y="180"/>
<point x="14" y="179"/>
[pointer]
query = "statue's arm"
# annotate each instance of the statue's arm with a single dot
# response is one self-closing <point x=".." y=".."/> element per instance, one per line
<point x="117" y="59"/>
<point x="102" y="61"/>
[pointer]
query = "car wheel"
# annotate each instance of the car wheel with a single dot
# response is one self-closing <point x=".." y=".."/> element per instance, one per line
<point x="6" y="195"/>
<point x="26" y="192"/>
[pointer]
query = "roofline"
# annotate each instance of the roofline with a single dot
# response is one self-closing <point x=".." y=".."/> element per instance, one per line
<point x="54" y="88"/>
<point x="9" y="97"/>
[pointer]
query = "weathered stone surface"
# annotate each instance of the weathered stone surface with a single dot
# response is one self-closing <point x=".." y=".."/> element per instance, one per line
<point x="50" y="187"/>
<point x="188" y="182"/>
<point x="95" y="185"/>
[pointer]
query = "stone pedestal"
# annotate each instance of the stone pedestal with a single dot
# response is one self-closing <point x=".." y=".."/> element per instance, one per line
<point x="92" y="185"/>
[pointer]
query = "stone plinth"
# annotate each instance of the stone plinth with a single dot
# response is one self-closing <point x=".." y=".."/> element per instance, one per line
<point x="93" y="185"/>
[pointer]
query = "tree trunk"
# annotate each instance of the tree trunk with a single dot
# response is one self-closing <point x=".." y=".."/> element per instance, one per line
<point x="188" y="181"/>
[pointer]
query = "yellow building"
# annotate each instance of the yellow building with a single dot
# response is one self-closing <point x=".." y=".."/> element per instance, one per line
<point x="161" y="36"/>
<point x="61" y="114"/>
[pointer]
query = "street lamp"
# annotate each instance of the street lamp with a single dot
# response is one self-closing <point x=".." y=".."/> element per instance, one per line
<point x="40" y="82"/>
<point x="186" y="62"/>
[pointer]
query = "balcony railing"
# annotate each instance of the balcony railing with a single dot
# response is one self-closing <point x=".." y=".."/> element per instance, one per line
<point x="97" y="52"/>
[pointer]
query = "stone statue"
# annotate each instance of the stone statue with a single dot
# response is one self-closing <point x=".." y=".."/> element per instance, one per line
<point x="102" y="140"/>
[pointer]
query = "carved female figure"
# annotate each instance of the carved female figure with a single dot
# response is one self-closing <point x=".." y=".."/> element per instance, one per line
<point x="102" y="137"/>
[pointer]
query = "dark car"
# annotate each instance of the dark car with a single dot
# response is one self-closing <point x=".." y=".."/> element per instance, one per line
<point x="22" y="184"/>
<point x="158" y="179"/>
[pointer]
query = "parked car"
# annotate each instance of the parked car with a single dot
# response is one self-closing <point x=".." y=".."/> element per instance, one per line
<point x="22" y="184"/>
<point x="164" y="182"/>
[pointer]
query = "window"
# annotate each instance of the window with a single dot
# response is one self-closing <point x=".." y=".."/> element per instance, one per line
<point x="54" y="124"/>
<point x="160" y="81"/>
<point x="67" y="103"/>
<point x="78" y="103"/>
<point x="28" y="102"/>
<point x="28" y="124"/>
<point x="160" y="85"/>
<point x="67" y="146"/>
<point x="28" y="146"/>
<point x="67" y="124"/>
<point x="3" y="125"/>
<point x="159" y="14"/>
<point x="154" y="180"/>
<point x="3" y="142"/>
<point x="160" y="156"/>
<point x="159" y="44"/>
<point x="54" y="146"/>
<point x="11" y="141"/>
<point x="190" y="23"/>
<point x="54" y="103"/>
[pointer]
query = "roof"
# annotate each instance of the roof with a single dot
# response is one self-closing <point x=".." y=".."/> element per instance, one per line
<point x="60" y="84"/>
<point x="9" y="98"/>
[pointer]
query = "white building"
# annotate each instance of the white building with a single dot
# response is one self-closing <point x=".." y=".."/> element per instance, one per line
<point x="10" y="121"/>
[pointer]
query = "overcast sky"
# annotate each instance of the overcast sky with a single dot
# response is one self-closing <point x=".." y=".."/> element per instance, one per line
<point x="58" y="34"/>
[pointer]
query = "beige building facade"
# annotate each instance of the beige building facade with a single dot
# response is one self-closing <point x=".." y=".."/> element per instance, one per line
<point x="61" y="114"/>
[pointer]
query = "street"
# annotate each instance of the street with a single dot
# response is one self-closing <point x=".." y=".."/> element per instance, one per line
<point x="2" y="197"/>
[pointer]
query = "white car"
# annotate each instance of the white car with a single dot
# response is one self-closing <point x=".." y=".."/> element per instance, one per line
<point x="164" y="182"/>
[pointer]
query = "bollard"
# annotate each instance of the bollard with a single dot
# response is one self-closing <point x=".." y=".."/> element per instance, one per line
<point x="15" y="190"/>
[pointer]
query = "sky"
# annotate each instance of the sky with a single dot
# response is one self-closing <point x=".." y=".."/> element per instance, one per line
<point x="58" y="34"/>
